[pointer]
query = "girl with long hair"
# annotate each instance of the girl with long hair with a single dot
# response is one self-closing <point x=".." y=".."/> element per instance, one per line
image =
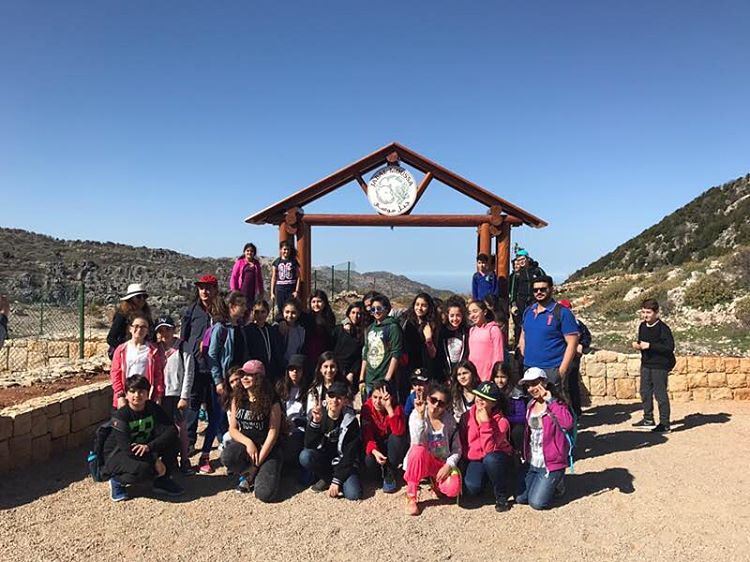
<point x="464" y="380"/>
<point x="485" y="339"/>
<point x="247" y="276"/>
<point x="348" y="342"/>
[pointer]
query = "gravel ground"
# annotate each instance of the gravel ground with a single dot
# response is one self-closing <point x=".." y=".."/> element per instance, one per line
<point x="634" y="496"/>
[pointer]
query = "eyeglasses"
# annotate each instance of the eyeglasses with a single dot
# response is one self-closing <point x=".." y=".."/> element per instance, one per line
<point x="533" y="383"/>
<point x="436" y="401"/>
<point x="540" y="289"/>
<point x="376" y="309"/>
<point x="140" y="327"/>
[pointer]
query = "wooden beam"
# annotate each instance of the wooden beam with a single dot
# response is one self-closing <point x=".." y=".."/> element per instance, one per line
<point x="485" y="240"/>
<point x="362" y="183"/>
<point x="421" y="189"/>
<point x="400" y="220"/>
<point x="304" y="248"/>
<point x="283" y="234"/>
<point x="502" y="262"/>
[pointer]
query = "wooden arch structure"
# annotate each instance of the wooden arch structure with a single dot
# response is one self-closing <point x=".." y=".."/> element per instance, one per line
<point x="501" y="215"/>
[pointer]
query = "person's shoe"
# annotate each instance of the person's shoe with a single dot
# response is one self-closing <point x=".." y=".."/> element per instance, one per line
<point x="412" y="507"/>
<point x="389" y="481"/>
<point x="165" y="485"/>
<point x="186" y="468"/>
<point x="202" y="414"/>
<point x="320" y="486"/>
<point x="117" y="491"/>
<point x="661" y="428"/>
<point x="204" y="465"/>
<point x="502" y="505"/>
<point x="644" y="423"/>
<point x="244" y="487"/>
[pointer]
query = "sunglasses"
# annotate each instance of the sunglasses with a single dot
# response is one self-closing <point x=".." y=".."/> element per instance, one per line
<point x="248" y="375"/>
<point x="376" y="309"/>
<point x="540" y="289"/>
<point x="436" y="401"/>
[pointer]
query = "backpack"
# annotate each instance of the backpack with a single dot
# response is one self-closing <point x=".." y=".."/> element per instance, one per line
<point x="96" y="459"/>
<point x="206" y="338"/>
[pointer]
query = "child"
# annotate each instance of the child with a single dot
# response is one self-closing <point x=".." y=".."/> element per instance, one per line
<point x="383" y="346"/>
<point x="384" y="435"/>
<point x="137" y="357"/>
<point x="326" y="373"/>
<point x="484" y="434"/>
<point x="285" y="277"/>
<point x="419" y="382"/>
<point x="333" y="445"/>
<point x="292" y="391"/>
<point x="545" y="446"/>
<point x="463" y="382"/>
<point x="515" y="404"/>
<point x="420" y="333"/>
<point x="247" y="276"/>
<point x="133" y="302"/>
<point x="435" y="448"/>
<point x="255" y="425"/>
<point x="264" y="342"/>
<point x="233" y="381"/>
<point x="292" y="334"/>
<point x="319" y="325"/>
<point x="485" y="339"/>
<point x="453" y="339"/>
<point x="656" y="344"/>
<point x="178" y="381"/>
<point x="484" y="281"/>
<point x="348" y="340"/>
<point x="142" y="435"/>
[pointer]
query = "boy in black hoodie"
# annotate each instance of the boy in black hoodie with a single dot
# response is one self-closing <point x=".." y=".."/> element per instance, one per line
<point x="333" y="445"/>
<point x="656" y="344"/>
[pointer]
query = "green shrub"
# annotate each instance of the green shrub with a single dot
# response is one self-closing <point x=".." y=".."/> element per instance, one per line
<point x="707" y="292"/>
<point x="742" y="312"/>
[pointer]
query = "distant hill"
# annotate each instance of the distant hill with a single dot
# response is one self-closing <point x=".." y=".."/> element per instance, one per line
<point x="714" y="224"/>
<point x="36" y="267"/>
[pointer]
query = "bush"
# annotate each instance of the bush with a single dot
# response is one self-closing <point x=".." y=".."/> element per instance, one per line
<point x="742" y="312"/>
<point x="707" y="292"/>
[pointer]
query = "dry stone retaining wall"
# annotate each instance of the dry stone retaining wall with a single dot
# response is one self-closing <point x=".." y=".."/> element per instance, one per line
<point x="607" y="375"/>
<point x="21" y="355"/>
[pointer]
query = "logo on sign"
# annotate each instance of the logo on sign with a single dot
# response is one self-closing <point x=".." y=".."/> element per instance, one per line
<point x="392" y="190"/>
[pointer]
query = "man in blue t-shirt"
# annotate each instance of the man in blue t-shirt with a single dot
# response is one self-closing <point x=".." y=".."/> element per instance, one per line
<point x="549" y="335"/>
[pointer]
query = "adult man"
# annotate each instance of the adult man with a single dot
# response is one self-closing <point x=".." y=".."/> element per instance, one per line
<point x="549" y="335"/>
<point x="525" y="271"/>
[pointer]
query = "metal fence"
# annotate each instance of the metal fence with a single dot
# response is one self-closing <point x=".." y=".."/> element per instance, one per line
<point x="335" y="279"/>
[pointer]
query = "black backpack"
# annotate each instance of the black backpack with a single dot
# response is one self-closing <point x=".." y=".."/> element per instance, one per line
<point x="96" y="458"/>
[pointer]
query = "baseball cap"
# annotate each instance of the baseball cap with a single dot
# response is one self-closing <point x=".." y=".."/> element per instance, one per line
<point x="532" y="374"/>
<point x="207" y="280"/>
<point x="338" y="388"/>
<point x="254" y="367"/>
<point x="488" y="390"/>
<point x="164" y="321"/>
<point x="419" y="376"/>
<point x="296" y="360"/>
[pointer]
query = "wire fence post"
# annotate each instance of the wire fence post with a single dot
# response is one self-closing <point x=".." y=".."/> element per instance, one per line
<point x="315" y="279"/>
<point x="41" y="318"/>
<point x="81" y="323"/>
<point x="333" y="280"/>
<point x="348" y="276"/>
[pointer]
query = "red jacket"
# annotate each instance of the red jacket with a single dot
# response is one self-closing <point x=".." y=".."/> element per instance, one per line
<point x="479" y="440"/>
<point x="154" y="371"/>
<point x="376" y="427"/>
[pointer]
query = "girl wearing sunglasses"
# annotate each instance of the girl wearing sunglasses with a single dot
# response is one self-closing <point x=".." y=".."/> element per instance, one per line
<point x="435" y="448"/>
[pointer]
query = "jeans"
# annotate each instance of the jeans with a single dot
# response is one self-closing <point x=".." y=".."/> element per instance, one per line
<point x="394" y="448"/>
<point x="492" y="465"/>
<point x="199" y="394"/>
<point x="267" y="479"/>
<point x="654" y="383"/>
<point x="537" y="486"/>
<point x="217" y="421"/>
<point x="318" y="463"/>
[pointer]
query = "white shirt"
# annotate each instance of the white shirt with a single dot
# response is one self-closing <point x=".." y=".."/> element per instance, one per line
<point x="136" y="359"/>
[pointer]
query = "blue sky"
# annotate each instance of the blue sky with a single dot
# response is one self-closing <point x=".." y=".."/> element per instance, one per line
<point x="167" y="123"/>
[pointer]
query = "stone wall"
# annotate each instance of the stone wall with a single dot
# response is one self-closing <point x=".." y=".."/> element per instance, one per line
<point x="607" y="375"/>
<point x="21" y="355"/>
<point x="42" y="428"/>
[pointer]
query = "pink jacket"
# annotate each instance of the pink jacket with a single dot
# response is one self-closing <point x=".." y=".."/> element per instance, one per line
<point x="555" y="446"/>
<point x="154" y="371"/>
<point x="235" y="279"/>
<point x="479" y="440"/>
<point x="485" y="348"/>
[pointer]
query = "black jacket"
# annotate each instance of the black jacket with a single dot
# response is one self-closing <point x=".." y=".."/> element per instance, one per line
<point x="660" y="354"/>
<point x="348" y="351"/>
<point x="266" y="345"/>
<point x="194" y="323"/>
<point x="520" y="285"/>
<point x="345" y="461"/>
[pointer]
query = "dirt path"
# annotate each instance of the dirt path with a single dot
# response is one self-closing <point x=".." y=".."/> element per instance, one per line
<point x="685" y="496"/>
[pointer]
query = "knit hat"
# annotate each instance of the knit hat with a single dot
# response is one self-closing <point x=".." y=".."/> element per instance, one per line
<point x="488" y="390"/>
<point x="521" y="253"/>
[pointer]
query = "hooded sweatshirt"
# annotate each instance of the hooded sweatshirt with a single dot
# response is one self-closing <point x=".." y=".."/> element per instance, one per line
<point x="485" y="348"/>
<point x="383" y="342"/>
<point x="347" y="447"/>
<point x="377" y="426"/>
<point x="555" y="446"/>
<point x="480" y="439"/>
<point x="118" y="374"/>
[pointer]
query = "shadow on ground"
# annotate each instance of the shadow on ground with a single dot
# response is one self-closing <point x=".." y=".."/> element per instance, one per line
<point x="593" y="483"/>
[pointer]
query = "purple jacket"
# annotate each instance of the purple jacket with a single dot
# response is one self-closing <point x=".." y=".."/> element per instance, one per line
<point x="517" y="410"/>
<point x="554" y="444"/>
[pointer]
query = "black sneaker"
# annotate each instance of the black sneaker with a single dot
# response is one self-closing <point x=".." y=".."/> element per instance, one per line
<point x="244" y="487"/>
<point x="320" y="486"/>
<point x="644" y="423"/>
<point x="661" y="428"/>
<point x="167" y="486"/>
<point x="502" y="505"/>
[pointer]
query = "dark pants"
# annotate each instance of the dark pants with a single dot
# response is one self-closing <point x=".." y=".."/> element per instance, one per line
<point x="537" y="486"/>
<point x="319" y="464"/>
<point x="517" y="325"/>
<point x="129" y="469"/>
<point x="492" y="466"/>
<point x="394" y="448"/>
<point x="654" y="383"/>
<point x="199" y="394"/>
<point x="267" y="479"/>
<point x="573" y="380"/>
<point x="283" y="294"/>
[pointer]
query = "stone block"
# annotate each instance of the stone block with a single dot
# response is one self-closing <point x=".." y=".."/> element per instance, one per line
<point x="731" y="365"/>
<point x="36" y="359"/>
<point x="37" y="345"/>
<point x="100" y="406"/>
<point x="89" y="349"/>
<point x="695" y="364"/>
<point x="680" y="365"/>
<point x="624" y="388"/>
<point x="6" y="427"/>
<point x="709" y="364"/>
<point x="82" y="437"/>
<point x="4" y="456"/>
<point x="606" y="356"/>
<point x="102" y="349"/>
<point x="611" y="390"/>
<point x="66" y="405"/>
<point x="59" y="426"/>
<point x="59" y="349"/>
<point x="680" y="396"/>
<point x="678" y="383"/>
<point x="58" y="445"/>
<point x="39" y="424"/>
<point x="717" y="380"/>
<point x="737" y="380"/>
<point x="52" y="409"/>
<point x="697" y="380"/>
<point x="700" y="394"/>
<point x="617" y="370"/>
<point x="81" y="402"/>
<point x="596" y="370"/>
<point x="22" y="423"/>
<point x="745" y="365"/>
<point x="20" y="445"/>
<point x="4" y="359"/>
<point x="598" y="387"/>
<point x="41" y="448"/>
<point x="73" y="350"/>
<point x="633" y="367"/>
<point x="721" y="393"/>
<point x="741" y="394"/>
<point x="79" y="420"/>
<point x="17" y="360"/>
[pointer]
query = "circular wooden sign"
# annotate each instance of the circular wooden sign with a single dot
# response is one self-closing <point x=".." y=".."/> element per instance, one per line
<point x="392" y="191"/>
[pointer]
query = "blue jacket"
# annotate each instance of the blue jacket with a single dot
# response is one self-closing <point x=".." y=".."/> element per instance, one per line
<point x="221" y="350"/>
<point x="483" y="285"/>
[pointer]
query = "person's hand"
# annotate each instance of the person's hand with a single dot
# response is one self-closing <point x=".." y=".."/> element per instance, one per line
<point x="347" y="328"/>
<point x="379" y="457"/>
<point x="645" y="345"/>
<point x="636" y="345"/>
<point x="362" y="387"/>
<point x="350" y="377"/>
<point x="481" y="414"/>
<point x="419" y="393"/>
<point x="333" y="490"/>
<point x="427" y="332"/>
<point x="252" y="452"/>
<point x="514" y="310"/>
<point x="220" y="389"/>
<point x="443" y="473"/>
<point x="139" y="449"/>
<point x="182" y="404"/>
<point x="317" y="413"/>
<point x="4" y="305"/>
<point x="160" y="467"/>
<point x="388" y="402"/>
<point x="419" y="406"/>
<point x="121" y="402"/>
<point x="294" y="294"/>
<point x="579" y="349"/>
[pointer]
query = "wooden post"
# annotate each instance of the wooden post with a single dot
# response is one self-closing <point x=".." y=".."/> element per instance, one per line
<point x="485" y="240"/>
<point x="502" y="261"/>
<point x="303" y="256"/>
<point x="283" y="233"/>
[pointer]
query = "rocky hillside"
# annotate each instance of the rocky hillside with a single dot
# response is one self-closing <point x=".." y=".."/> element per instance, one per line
<point x="35" y="267"/>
